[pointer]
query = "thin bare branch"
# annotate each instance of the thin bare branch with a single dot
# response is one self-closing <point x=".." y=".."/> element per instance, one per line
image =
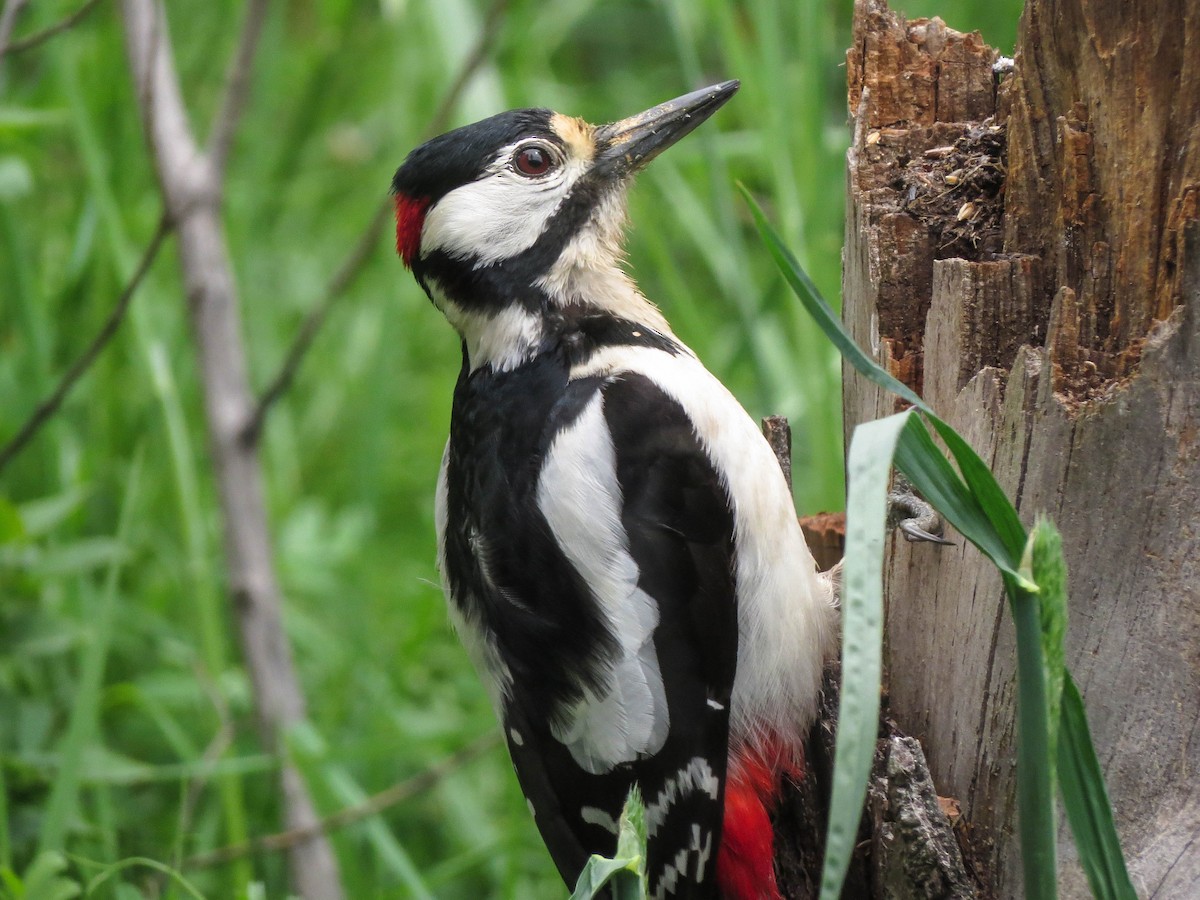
<point x="192" y="195"/>
<point x="8" y="21"/>
<point x="359" y="255"/>
<point x="488" y="33"/>
<point x="345" y="276"/>
<point x="372" y="806"/>
<point x="40" y="37"/>
<point x="48" y="407"/>
<point x="237" y="88"/>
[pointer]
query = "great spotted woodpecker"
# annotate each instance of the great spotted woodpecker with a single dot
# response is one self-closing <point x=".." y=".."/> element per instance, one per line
<point x="616" y="540"/>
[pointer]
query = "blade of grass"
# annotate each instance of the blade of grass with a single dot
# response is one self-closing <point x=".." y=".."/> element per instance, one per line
<point x="816" y="305"/>
<point x="869" y="467"/>
<point x="623" y="877"/>
<point x="206" y="598"/>
<point x="142" y="862"/>
<point x="933" y="476"/>
<point x="1086" y="802"/>
<point x="1043" y="564"/>
<point x="5" y="836"/>
<point x="1035" y="764"/>
<point x="81" y="728"/>
<point x="1001" y="514"/>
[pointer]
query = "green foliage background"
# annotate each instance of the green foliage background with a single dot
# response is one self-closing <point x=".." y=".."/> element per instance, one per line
<point x="126" y="726"/>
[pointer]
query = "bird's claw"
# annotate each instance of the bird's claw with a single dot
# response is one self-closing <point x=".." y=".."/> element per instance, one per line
<point x="916" y="519"/>
<point x="912" y="531"/>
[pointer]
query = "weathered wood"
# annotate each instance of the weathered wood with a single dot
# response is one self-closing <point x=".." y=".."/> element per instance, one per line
<point x="778" y="433"/>
<point x="1061" y="339"/>
<point x="914" y="854"/>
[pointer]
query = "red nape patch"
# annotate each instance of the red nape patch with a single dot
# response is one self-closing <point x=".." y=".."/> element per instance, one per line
<point x="410" y="217"/>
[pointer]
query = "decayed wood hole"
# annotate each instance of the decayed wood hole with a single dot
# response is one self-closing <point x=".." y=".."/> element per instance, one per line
<point x="1023" y="247"/>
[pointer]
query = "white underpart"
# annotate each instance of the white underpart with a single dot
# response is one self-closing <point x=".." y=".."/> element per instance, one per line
<point x="580" y="497"/>
<point x="786" y="612"/>
<point x="499" y="215"/>
<point x="479" y="643"/>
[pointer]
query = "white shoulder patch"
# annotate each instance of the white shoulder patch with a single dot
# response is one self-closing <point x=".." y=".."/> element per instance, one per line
<point x="580" y="496"/>
<point x="787" y="617"/>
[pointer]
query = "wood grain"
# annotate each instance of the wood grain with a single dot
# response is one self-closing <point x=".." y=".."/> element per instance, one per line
<point x="1068" y="354"/>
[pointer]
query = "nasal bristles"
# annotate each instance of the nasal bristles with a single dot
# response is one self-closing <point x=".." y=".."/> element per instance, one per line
<point x="410" y="218"/>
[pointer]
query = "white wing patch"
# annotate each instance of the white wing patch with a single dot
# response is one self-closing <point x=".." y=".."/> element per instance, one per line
<point x="787" y="616"/>
<point x="594" y="815"/>
<point x="580" y="496"/>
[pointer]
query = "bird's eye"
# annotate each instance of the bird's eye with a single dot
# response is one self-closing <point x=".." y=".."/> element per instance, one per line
<point x="533" y="161"/>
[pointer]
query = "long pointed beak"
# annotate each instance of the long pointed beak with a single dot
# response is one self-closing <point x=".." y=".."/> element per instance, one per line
<point x="628" y="145"/>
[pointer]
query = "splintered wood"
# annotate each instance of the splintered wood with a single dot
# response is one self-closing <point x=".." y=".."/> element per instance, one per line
<point x="926" y="169"/>
<point x="1022" y="247"/>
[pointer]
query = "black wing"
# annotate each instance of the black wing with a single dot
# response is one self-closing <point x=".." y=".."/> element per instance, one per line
<point x="679" y="524"/>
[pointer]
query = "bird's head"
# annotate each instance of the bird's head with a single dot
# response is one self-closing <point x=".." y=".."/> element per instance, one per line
<point x="522" y="214"/>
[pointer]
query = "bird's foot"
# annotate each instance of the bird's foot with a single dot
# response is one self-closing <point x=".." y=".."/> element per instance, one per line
<point x="916" y="519"/>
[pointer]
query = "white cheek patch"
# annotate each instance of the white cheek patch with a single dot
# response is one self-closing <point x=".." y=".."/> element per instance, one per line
<point x="500" y="215"/>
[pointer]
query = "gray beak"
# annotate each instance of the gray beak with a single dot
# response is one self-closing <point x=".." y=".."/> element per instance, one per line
<point x="627" y="146"/>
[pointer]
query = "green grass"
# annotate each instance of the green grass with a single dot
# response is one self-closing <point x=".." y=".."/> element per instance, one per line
<point x="125" y="720"/>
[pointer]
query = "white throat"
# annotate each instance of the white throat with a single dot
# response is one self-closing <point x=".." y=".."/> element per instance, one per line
<point x="588" y="271"/>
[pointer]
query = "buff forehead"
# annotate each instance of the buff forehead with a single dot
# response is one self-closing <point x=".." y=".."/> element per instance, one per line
<point x="577" y="134"/>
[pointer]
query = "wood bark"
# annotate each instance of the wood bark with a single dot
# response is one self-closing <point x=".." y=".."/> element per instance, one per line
<point x="1022" y="247"/>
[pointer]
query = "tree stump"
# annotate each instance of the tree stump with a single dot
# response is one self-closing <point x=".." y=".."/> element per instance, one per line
<point x="1022" y="247"/>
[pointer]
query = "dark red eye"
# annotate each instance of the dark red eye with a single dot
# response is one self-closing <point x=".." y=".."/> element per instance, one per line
<point x="533" y="161"/>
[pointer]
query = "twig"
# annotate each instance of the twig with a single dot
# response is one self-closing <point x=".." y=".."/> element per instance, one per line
<point x="359" y="255"/>
<point x="191" y="191"/>
<point x="237" y="88"/>
<point x="8" y="21"/>
<point x="48" y="407"/>
<point x="345" y="276"/>
<point x="372" y="806"/>
<point x="28" y="43"/>
<point x="488" y="33"/>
